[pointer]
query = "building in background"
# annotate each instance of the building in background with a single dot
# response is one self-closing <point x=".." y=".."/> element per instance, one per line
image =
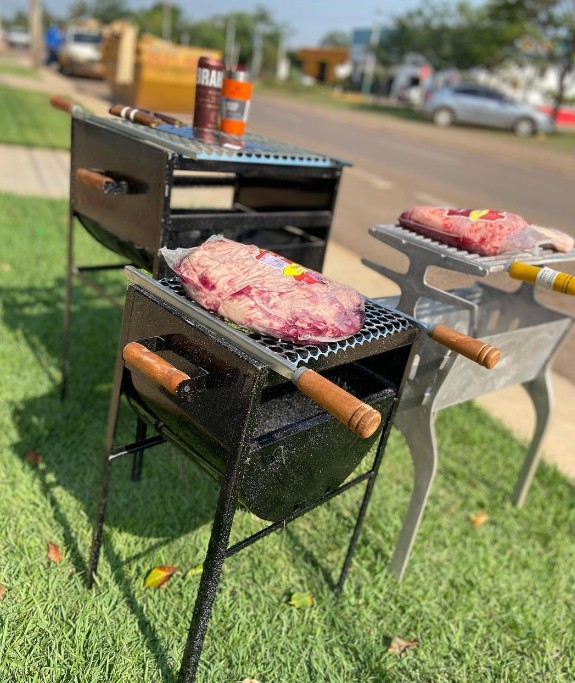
<point x="324" y="64"/>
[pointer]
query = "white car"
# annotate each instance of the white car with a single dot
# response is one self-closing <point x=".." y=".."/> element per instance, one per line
<point x="80" y="54"/>
<point x="18" y="36"/>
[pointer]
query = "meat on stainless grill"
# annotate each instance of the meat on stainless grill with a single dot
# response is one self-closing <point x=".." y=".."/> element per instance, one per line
<point x="222" y="396"/>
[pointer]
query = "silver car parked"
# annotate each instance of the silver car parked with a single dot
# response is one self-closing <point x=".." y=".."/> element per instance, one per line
<point x="475" y="104"/>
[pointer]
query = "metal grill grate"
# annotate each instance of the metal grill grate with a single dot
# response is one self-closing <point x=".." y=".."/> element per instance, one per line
<point x="455" y="255"/>
<point x="379" y="323"/>
<point x="251" y="148"/>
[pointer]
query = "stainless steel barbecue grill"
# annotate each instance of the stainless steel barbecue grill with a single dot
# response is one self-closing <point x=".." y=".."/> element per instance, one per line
<point x="527" y="333"/>
<point x="223" y="396"/>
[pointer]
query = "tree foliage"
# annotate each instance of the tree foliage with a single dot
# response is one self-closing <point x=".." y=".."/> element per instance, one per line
<point x="335" y="39"/>
<point x="547" y="34"/>
<point x="458" y="35"/>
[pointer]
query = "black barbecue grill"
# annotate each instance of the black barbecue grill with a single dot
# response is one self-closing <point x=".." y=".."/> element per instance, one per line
<point x="212" y="389"/>
<point x="125" y="179"/>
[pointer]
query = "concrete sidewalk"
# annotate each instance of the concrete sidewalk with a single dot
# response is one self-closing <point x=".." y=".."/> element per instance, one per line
<point x="54" y="83"/>
<point x="34" y="171"/>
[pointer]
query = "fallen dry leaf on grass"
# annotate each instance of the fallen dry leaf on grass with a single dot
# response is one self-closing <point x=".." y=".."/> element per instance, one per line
<point x="2" y="591"/>
<point x="54" y="552"/>
<point x="194" y="571"/>
<point x="479" y="519"/>
<point x="159" y="576"/>
<point x="33" y="456"/>
<point x="400" y="646"/>
<point x="6" y="267"/>
<point x="250" y="680"/>
<point x="300" y="600"/>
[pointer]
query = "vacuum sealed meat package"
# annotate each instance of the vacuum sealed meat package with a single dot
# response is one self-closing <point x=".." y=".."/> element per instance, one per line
<point x="483" y="231"/>
<point x="267" y="293"/>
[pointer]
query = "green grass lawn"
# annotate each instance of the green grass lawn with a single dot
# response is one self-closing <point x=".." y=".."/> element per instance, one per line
<point x="494" y="604"/>
<point x="26" y="118"/>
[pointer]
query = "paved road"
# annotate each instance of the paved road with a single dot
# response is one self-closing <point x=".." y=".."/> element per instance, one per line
<point x="392" y="172"/>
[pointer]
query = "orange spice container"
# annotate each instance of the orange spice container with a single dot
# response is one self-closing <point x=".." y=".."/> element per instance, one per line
<point x="235" y="102"/>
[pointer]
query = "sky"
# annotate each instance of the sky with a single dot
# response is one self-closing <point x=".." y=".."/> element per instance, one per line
<point x="310" y="19"/>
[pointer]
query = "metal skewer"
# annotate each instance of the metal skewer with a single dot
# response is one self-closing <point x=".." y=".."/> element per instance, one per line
<point x="476" y="350"/>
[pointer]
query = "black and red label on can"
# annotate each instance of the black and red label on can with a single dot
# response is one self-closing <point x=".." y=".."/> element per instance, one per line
<point x="208" y="92"/>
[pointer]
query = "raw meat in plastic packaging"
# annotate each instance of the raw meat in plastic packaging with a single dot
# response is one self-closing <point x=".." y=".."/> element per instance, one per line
<point x="484" y="231"/>
<point x="267" y="293"/>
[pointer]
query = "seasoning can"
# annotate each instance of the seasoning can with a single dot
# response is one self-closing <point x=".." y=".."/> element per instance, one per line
<point x="208" y="92"/>
<point x="235" y="102"/>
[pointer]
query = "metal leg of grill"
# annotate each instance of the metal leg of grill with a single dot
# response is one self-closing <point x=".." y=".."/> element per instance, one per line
<point x="541" y="393"/>
<point x="219" y="538"/>
<point x="361" y="516"/>
<point x="420" y="436"/>
<point x="107" y="471"/>
<point x="67" y="306"/>
<point x="213" y="562"/>
<point x="138" y="461"/>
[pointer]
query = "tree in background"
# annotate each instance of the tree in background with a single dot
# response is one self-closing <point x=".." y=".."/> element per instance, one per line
<point x="108" y="11"/>
<point x="548" y="26"/>
<point x="462" y="36"/>
<point x="152" y="18"/>
<point x="78" y="9"/>
<point x="335" y="39"/>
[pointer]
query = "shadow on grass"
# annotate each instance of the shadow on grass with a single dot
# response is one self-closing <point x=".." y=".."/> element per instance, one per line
<point x="173" y="498"/>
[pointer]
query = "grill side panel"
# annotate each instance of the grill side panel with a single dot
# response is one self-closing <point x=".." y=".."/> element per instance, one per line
<point x="137" y="216"/>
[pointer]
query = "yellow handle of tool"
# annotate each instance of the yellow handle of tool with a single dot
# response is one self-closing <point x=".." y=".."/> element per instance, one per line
<point x="543" y="277"/>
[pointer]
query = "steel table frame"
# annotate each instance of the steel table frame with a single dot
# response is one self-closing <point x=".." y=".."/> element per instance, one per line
<point x="528" y="333"/>
<point x="218" y="548"/>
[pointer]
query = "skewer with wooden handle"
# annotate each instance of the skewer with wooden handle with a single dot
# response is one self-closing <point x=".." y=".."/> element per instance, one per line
<point x="476" y="350"/>
<point x="65" y="105"/>
<point x="361" y="418"/>
<point x="543" y="277"/>
<point x="157" y="369"/>
<point x="134" y="115"/>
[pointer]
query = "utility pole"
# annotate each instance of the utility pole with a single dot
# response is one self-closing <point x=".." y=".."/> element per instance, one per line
<point x="257" y="44"/>
<point x="35" y="30"/>
<point x="370" y="60"/>
<point x="0" y="17"/>
<point x="280" y="59"/>
<point x="167" y="20"/>
<point x="230" y="44"/>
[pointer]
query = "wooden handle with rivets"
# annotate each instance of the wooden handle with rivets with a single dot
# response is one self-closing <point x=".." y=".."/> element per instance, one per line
<point x="132" y="114"/>
<point x="64" y="104"/>
<point x="479" y="352"/>
<point x="101" y="182"/>
<point x="155" y="368"/>
<point x="362" y="419"/>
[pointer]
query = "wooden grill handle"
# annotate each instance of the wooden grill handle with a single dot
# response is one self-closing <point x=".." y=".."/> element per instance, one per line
<point x="155" y="368"/>
<point x="101" y="182"/>
<point x="63" y="104"/>
<point x="479" y="352"/>
<point x="362" y="419"/>
<point x="135" y="115"/>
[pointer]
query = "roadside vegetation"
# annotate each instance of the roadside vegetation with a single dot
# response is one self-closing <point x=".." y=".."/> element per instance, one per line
<point x="492" y="603"/>
<point x="26" y="118"/>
